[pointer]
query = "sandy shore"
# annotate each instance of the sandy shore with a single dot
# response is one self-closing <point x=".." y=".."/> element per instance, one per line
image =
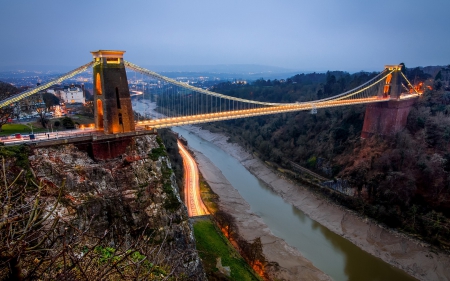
<point x="410" y="255"/>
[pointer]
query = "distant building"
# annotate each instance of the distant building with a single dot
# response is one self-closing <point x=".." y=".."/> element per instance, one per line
<point x="72" y="94"/>
<point x="240" y="82"/>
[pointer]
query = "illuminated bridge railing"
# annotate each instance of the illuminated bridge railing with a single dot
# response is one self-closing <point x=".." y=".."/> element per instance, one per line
<point x="180" y="103"/>
<point x="244" y="113"/>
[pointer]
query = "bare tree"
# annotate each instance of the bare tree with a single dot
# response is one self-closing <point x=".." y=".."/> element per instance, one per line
<point x="7" y="112"/>
<point x="36" y="103"/>
<point x="23" y="223"/>
<point x="38" y="240"/>
<point x="227" y="223"/>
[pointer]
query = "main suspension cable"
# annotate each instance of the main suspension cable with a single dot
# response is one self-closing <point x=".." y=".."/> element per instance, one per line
<point x="33" y="91"/>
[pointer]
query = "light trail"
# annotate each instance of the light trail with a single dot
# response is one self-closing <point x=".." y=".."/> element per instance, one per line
<point x="193" y="200"/>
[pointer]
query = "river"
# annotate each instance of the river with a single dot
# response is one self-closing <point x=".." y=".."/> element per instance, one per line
<point x="329" y="252"/>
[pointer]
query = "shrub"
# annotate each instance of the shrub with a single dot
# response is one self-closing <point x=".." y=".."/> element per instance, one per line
<point x="68" y="123"/>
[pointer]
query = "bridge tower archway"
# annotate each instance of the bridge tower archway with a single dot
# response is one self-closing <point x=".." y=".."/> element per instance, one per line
<point x="112" y="111"/>
<point x="99" y="115"/>
<point x="393" y="83"/>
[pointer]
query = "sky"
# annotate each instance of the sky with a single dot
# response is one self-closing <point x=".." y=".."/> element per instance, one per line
<point x="298" y="35"/>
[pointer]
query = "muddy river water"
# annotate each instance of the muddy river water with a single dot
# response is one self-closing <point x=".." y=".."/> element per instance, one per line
<point x="331" y="253"/>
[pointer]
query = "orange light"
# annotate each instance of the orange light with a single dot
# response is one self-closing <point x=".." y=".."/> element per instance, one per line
<point x="258" y="267"/>
<point x="99" y="108"/>
<point x="113" y="60"/>
<point x="98" y="84"/>
<point x="388" y="79"/>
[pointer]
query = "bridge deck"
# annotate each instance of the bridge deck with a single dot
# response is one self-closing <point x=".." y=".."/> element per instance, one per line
<point x="94" y="135"/>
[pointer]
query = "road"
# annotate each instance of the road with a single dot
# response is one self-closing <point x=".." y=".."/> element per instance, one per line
<point x="46" y="136"/>
<point x="193" y="200"/>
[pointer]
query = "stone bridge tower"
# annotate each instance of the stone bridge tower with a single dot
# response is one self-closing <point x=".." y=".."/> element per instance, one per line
<point x="386" y="118"/>
<point x="112" y="103"/>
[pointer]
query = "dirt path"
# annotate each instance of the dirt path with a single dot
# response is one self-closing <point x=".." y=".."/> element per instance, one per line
<point x="413" y="256"/>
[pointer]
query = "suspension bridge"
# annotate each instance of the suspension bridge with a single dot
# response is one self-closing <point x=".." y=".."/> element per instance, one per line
<point x="181" y="104"/>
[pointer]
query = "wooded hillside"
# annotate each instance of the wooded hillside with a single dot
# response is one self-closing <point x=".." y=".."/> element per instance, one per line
<point x="402" y="180"/>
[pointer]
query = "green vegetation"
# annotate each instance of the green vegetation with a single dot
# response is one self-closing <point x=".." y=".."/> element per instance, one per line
<point x="157" y="152"/>
<point x="18" y="154"/>
<point x="209" y="198"/>
<point x="7" y="112"/>
<point x="109" y="255"/>
<point x="83" y="119"/>
<point x="159" y="141"/>
<point x="402" y="180"/>
<point x="68" y="123"/>
<point x="62" y="249"/>
<point x="9" y="129"/>
<point x="171" y="203"/>
<point x="170" y="142"/>
<point x="211" y="245"/>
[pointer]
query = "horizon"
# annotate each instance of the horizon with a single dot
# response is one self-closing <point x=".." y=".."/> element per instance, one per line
<point x="227" y="69"/>
<point x="317" y="36"/>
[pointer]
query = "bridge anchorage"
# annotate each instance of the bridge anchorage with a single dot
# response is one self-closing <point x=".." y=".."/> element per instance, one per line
<point x="389" y="97"/>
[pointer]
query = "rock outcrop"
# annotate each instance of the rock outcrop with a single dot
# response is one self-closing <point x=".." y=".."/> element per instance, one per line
<point x="133" y="194"/>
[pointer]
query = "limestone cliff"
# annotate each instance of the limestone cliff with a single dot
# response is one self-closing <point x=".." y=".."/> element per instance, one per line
<point x="127" y="195"/>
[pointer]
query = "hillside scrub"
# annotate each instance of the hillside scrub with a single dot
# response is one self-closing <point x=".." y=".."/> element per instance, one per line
<point x="66" y="216"/>
<point x="7" y="112"/>
<point x="401" y="180"/>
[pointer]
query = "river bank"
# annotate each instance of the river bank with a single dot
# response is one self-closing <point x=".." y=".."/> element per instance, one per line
<point x="292" y="264"/>
<point x="413" y="256"/>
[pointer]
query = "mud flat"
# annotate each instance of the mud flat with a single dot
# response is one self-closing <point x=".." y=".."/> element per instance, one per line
<point x="413" y="256"/>
<point x="292" y="265"/>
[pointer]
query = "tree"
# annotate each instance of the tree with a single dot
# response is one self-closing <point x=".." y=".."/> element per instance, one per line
<point x="253" y="254"/>
<point x="42" y="118"/>
<point x="7" y="112"/>
<point x="25" y="225"/>
<point x="39" y="241"/>
<point x="227" y="223"/>
<point x="35" y="103"/>
<point x="50" y="100"/>
<point x="88" y="109"/>
<point x="438" y="76"/>
<point x="68" y="123"/>
<point x="403" y="67"/>
<point x="256" y="252"/>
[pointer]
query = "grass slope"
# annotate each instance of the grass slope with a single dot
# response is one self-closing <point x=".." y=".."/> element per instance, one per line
<point x="9" y="129"/>
<point x="211" y="244"/>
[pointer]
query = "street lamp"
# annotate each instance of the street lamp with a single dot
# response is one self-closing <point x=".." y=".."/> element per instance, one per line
<point x="30" y="126"/>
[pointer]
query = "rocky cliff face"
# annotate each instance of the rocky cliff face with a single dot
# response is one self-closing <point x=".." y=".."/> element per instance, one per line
<point x="127" y="196"/>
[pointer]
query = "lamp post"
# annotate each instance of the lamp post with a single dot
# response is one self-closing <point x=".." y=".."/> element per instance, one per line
<point x="30" y="126"/>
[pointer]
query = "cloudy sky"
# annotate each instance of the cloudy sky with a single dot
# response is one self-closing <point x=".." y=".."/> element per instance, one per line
<point x="302" y="35"/>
